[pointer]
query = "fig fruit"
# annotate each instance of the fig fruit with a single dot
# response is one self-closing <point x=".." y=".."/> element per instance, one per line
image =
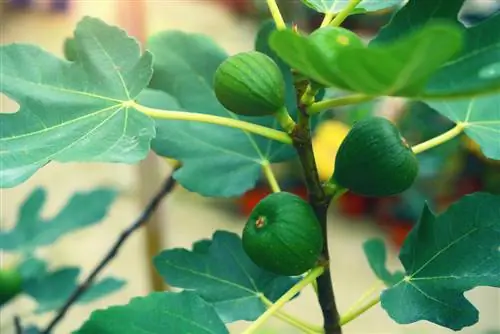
<point x="283" y="235"/>
<point x="250" y="84"/>
<point x="10" y="284"/>
<point x="374" y="160"/>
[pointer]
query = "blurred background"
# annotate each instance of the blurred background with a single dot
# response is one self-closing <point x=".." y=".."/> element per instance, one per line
<point x="447" y="172"/>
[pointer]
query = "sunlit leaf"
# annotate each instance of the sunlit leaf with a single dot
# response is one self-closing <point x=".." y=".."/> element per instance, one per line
<point x="476" y="69"/>
<point x="481" y="118"/>
<point x="82" y="210"/>
<point x="159" y="312"/>
<point x="401" y="68"/>
<point x="445" y="256"/>
<point x="224" y="276"/>
<point x="216" y="160"/>
<point x="335" y="6"/>
<point x="74" y="111"/>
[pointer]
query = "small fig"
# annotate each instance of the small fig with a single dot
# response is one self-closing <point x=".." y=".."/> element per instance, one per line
<point x="250" y="84"/>
<point x="375" y="160"/>
<point x="283" y="235"/>
<point x="10" y="284"/>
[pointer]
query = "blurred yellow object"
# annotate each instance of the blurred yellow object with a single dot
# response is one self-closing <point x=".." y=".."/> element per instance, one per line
<point x="326" y="142"/>
<point x="172" y="162"/>
<point x="475" y="149"/>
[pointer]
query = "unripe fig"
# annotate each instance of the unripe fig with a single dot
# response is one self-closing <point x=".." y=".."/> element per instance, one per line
<point x="10" y="284"/>
<point x="283" y="235"/>
<point x="375" y="160"/>
<point x="250" y="84"/>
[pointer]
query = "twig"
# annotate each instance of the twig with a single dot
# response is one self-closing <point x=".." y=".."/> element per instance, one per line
<point x="143" y="219"/>
<point x="17" y="325"/>
<point x="319" y="202"/>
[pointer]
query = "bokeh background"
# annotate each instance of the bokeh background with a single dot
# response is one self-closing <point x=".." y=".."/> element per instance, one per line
<point x="451" y="171"/>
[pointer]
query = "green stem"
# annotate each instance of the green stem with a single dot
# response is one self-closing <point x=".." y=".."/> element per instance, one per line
<point x="292" y="320"/>
<point x="441" y="139"/>
<point x="205" y="118"/>
<point x="343" y="14"/>
<point x="276" y="14"/>
<point x="285" y="120"/>
<point x="327" y="19"/>
<point x="372" y="289"/>
<point x="271" y="178"/>
<point x="348" y="317"/>
<point x="313" y="274"/>
<point x="338" y="102"/>
<point x="309" y="96"/>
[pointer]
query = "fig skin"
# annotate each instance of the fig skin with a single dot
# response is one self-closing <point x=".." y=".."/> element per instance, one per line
<point x="10" y="284"/>
<point x="374" y="160"/>
<point x="283" y="235"/>
<point x="250" y="84"/>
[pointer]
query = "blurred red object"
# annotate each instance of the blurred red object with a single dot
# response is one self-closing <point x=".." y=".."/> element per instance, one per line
<point x="250" y="199"/>
<point x="238" y="6"/>
<point x="352" y="205"/>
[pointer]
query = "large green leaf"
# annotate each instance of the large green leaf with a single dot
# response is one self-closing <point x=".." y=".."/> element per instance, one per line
<point x="481" y="118"/>
<point x="216" y="161"/>
<point x="476" y="69"/>
<point x="51" y="289"/>
<point x="335" y="6"/>
<point x="74" y="111"/>
<point x="376" y="254"/>
<point x="445" y="256"/>
<point x="224" y="276"/>
<point x="401" y="68"/>
<point x="157" y="313"/>
<point x="83" y="209"/>
<point x="315" y="55"/>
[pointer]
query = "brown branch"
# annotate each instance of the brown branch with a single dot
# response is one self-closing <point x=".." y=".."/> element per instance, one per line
<point x="319" y="202"/>
<point x="17" y="325"/>
<point x="85" y="285"/>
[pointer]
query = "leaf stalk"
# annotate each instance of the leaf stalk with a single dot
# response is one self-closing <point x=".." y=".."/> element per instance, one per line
<point x="350" y="316"/>
<point x="318" y="107"/>
<point x="343" y="14"/>
<point x="292" y="320"/>
<point x="287" y="296"/>
<point x="271" y="178"/>
<point x="441" y="139"/>
<point x="276" y="14"/>
<point x="285" y="120"/>
<point x="212" y="119"/>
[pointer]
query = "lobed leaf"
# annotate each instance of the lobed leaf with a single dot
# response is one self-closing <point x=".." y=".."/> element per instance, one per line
<point x="475" y="69"/>
<point x="31" y="231"/>
<point x="481" y="118"/>
<point x="223" y="275"/>
<point x="159" y="312"/>
<point x="376" y="254"/>
<point x="74" y="111"/>
<point x="216" y="160"/>
<point x="445" y="256"/>
<point x="51" y="289"/>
